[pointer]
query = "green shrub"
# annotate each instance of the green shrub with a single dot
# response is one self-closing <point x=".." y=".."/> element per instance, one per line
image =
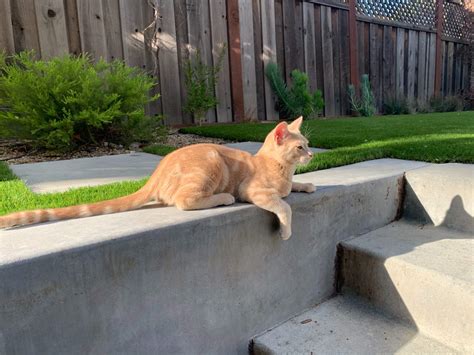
<point x="296" y="100"/>
<point x="446" y="104"/>
<point x="200" y="81"/>
<point x="394" y="105"/>
<point x="363" y="105"/>
<point x="69" y="101"/>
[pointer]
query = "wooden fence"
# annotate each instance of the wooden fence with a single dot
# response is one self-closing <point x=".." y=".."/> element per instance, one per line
<point x="334" y="41"/>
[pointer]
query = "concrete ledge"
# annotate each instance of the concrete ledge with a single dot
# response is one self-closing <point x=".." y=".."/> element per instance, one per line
<point x="163" y="281"/>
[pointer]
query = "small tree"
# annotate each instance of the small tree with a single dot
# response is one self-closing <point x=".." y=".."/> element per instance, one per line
<point x="363" y="104"/>
<point x="200" y="81"/>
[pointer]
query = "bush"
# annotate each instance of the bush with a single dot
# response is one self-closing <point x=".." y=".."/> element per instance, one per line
<point x="394" y="105"/>
<point x="200" y="81"/>
<point x="446" y="104"/>
<point x="296" y="100"/>
<point x="69" y="101"/>
<point x="363" y="105"/>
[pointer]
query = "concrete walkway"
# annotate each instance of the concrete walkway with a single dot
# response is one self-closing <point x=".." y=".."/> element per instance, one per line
<point x="57" y="176"/>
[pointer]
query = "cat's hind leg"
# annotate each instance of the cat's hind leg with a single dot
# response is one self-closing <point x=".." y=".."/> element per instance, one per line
<point x="187" y="202"/>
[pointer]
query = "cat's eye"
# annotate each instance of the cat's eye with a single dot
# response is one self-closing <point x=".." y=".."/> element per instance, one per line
<point x="300" y="147"/>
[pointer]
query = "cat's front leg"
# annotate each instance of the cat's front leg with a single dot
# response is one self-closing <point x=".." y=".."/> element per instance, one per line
<point x="300" y="187"/>
<point x="273" y="203"/>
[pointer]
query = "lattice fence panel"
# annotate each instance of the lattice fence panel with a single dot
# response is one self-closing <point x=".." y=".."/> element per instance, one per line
<point x="413" y="12"/>
<point x="457" y="23"/>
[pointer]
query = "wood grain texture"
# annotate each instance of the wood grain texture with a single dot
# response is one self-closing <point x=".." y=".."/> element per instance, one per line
<point x="132" y="26"/>
<point x="345" y="60"/>
<point x="400" y="62"/>
<point x="422" y="68"/>
<point x="289" y="36"/>
<point x="248" y="59"/>
<point x="92" y="30"/>
<point x="113" y="28"/>
<point x="25" y="29"/>
<point x="52" y="30"/>
<point x="412" y="62"/>
<point x="218" y="19"/>
<point x="73" y="29"/>
<point x="269" y="44"/>
<point x="430" y="83"/>
<point x="168" y="63"/>
<point x="7" y="42"/>
<point x="309" y="44"/>
<point x="388" y="63"/>
<point x="336" y="56"/>
<point x="318" y="48"/>
<point x="328" y="65"/>
<point x="450" y="69"/>
<point x="258" y="55"/>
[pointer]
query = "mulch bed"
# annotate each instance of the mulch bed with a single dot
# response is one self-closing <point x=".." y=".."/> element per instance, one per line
<point x="22" y="152"/>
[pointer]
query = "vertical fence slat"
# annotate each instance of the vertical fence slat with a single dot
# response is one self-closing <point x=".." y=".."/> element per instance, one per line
<point x="319" y="48"/>
<point x="412" y="55"/>
<point x="112" y="29"/>
<point x="248" y="59"/>
<point x="219" y="40"/>
<point x="421" y="92"/>
<point x="400" y="61"/>
<point x="360" y="49"/>
<point x="443" y="69"/>
<point x="25" y="29"/>
<point x="345" y="60"/>
<point x="299" y="35"/>
<point x="335" y="35"/>
<point x="6" y="29"/>
<point x="309" y="44"/>
<point x="388" y="61"/>
<point x="353" y="44"/>
<point x="432" y="66"/>
<point x="168" y="62"/>
<point x="52" y="31"/>
<point x="374" y="64"/>
<point x="269" y="53"/>
<point x="92" y="30"/>
<point x="289" y="37"/>
<point x="449" y="69"/>
<point x="73" y="30"/>
<point x="258" y="52"/>
<point x="457" y="68"/>
<point x="326" y="29"/>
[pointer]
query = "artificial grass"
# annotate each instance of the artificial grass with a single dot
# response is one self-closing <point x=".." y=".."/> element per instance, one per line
<point x="159" y="149"/>
<point x="15" y="196"/>
<point x="434" y="137"/>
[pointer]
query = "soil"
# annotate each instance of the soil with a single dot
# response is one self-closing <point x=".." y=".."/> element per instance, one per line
<point x="21" y="152"/>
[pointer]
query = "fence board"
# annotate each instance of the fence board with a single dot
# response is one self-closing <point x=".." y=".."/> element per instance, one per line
<point x="345" y="60"/>
<point x="457" y="67"/>
<point x="375" y="59"/>
<point x="52" y="31"/>
<point x="309" y="44"/>
<point x="388" y="61"/>
<point x="168" y="63"/>
<point x="327" y="49"/>
<point x="443" y="68"/>
<point x="25" y="29"/>
<point x="318" y="48"/>
<point x="269" y="53"/>
<point x="299" y="35"/>
<point x="400" y="62"/>
<point x="219" y="40"/>
<point x="289" y="36"/>
<point x="335" y="37"/>
<point x="73" y="29"/>
<point x="432" y="64"/>
<point x="449" y="68"/>
<point x="92" y="30"/>
<point x="280" y="45"/>
<point x="422" y="68"/>
<point x="412" y="55"/>
<point x="6" y="29"/>
<point x="181" y="23"/>
<point x="113" y="30"/>
<point x="258" y="52"/>
<point x="248" y="59"/>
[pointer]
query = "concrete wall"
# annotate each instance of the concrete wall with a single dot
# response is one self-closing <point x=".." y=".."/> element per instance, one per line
<point x="162" y="281"/>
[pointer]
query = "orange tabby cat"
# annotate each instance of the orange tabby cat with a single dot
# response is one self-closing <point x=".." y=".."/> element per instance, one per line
<point x="207" y="175"/>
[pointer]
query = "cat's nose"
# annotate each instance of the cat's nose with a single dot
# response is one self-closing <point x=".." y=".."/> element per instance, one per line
<point x="310" y="154"/>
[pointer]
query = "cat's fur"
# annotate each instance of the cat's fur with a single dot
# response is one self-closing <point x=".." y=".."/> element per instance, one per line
<point x="207" y="175"/>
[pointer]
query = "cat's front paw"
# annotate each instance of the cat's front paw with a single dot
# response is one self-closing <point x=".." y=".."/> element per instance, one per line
<point x="285" y="233"/>
<point x="309" y="188"/>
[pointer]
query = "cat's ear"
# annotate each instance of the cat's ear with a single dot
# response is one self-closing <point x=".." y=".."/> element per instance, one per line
<point x="296" y="124"/>
<point x="281" y="132"/>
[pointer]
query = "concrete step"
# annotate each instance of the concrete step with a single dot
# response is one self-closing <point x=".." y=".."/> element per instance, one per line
<point x="345" y="325"/>
<point x="419" y="273"/>
<point x="442" y="195"/>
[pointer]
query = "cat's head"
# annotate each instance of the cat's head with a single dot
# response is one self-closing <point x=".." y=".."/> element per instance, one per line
<point x="289" y="144"/>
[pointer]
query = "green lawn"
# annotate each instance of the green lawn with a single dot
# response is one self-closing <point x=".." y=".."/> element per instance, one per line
<point x="436" y="137"/>
<point x="441" y="137"/>
<point x="15" y="196"/>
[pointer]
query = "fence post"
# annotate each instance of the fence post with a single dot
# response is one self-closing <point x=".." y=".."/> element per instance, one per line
<point x="235" y="61"/>
<point x="354" y="72"/>
<point x="439" y="31"/>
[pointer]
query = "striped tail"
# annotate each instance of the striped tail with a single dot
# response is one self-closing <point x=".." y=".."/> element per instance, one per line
<point x="120" y="204"/>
